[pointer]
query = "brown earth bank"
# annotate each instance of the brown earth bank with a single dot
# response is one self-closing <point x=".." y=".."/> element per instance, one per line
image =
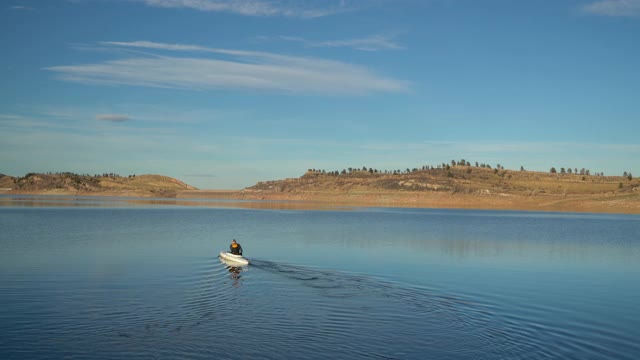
<point x="462" y="187"/>
<point x="624" y="204"/>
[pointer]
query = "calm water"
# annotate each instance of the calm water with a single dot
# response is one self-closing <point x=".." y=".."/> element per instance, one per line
<point x="98" y="278"/>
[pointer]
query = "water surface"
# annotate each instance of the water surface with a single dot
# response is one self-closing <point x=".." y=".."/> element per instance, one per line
<point x="99" y="278"/>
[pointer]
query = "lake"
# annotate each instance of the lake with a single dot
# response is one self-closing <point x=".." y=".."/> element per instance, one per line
<point x="109" y="278"/>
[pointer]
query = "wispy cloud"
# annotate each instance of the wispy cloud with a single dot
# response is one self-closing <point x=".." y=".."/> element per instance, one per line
<point x="20" y="7"/>
<point x="246" y="70"/>
<point x="370" y="43"/>
<point x="168" y="47"/>
<point x="626" y="8"/>
<point x="286" y="8"/>
<point x="10" y="117"/>
<point x="28" y="124"/>
<point x="112" y="117"/>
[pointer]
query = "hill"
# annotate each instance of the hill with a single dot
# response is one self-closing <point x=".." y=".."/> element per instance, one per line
<point x="460" y="187"/>
<point x="455" y="179"/>
<point x="456" y="186"/>
<point x="106" y="184"/>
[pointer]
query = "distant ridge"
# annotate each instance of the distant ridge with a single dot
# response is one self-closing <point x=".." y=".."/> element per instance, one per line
<point x="456" y="179"/>
<point x="113" y="184"/>
<point x="450" y="186"/>
<point x="460" y="187"/>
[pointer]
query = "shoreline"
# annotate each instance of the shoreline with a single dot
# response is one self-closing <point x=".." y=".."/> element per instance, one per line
<point x="625" y="203"/>
<point x="620" y="204"/>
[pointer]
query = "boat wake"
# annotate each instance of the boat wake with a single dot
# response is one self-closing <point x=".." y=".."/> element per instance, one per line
<point x="276" y="310"/>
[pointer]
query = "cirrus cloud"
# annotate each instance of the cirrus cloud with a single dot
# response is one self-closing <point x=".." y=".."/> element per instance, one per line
<point x="298" y="8"/>
<point x="230" y="69"/>
<point x="626" y="8"/>
<point x="378" y="42"/>
<point x="112" y="117"/>
<point x="21" y="7"/>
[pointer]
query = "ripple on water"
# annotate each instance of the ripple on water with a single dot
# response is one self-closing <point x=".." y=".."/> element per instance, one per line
<point x="273" y="310"/>
<point x="365" y="315"/>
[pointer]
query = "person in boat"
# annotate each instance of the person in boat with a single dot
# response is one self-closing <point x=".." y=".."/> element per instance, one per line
<point x="235" y="248"/>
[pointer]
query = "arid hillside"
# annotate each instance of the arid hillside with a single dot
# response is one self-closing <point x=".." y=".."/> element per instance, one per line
<point x="110" y="184"/>
<point x="456" y="179"/>
<point x="460" y="187"/>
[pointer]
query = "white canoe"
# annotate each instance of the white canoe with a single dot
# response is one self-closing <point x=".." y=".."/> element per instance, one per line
<point x="234" y="258"/>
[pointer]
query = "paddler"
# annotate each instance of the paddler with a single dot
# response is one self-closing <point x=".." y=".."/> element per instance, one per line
<point x="235" y="248"/>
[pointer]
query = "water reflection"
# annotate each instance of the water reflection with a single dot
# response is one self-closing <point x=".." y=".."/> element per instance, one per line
<point x="36" y="201"/>
<point x="532" y="252"/>
<point x="479" y="236"/>
<point x="234" y="270"/>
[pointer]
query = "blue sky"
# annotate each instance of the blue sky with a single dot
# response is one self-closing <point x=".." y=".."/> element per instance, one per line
<point x="223" y="94"/>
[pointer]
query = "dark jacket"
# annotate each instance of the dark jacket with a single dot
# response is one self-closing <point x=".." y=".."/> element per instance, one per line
<point x="235" y="250"/>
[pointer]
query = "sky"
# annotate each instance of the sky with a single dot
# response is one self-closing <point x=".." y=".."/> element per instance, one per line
<point x="223" y="94"/>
